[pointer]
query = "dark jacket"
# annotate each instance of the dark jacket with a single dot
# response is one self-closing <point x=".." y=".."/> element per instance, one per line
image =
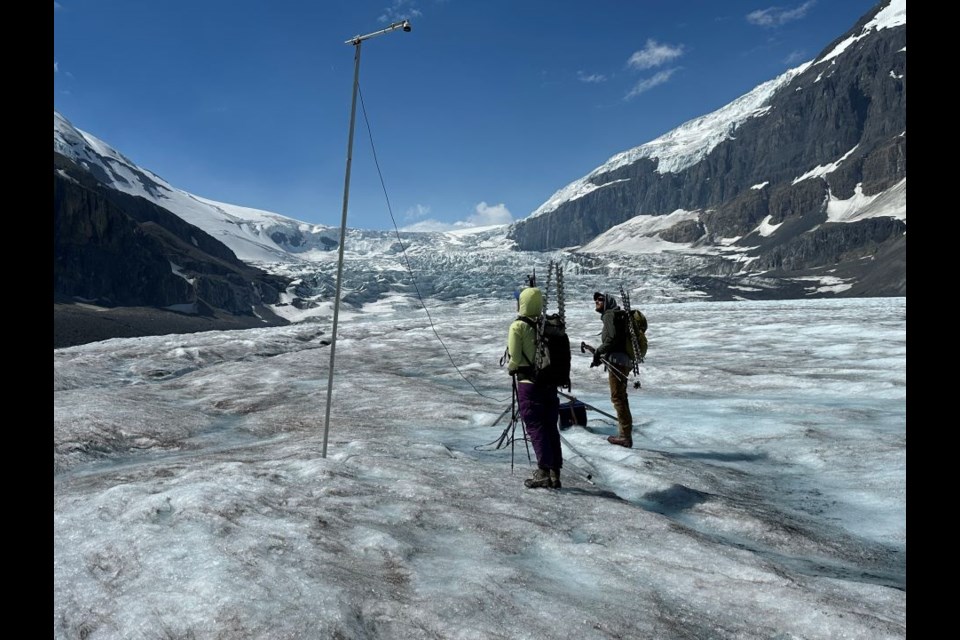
<point x="615" y="333"/>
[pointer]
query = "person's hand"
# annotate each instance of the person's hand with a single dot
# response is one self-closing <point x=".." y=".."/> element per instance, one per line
<point x="596" y="361"/>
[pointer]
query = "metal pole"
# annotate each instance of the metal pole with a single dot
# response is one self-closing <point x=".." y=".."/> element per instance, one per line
<point x="343" y="233"/>
<point x="356" y="41"/>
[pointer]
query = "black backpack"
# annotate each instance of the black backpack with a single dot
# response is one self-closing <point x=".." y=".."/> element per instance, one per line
<point x="553" y="351"/>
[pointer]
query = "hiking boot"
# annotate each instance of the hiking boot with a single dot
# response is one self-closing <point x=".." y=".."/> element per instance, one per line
<point x="540" y="480"/>
<point x="554" y="478"/>
<point x="620" y="440"/>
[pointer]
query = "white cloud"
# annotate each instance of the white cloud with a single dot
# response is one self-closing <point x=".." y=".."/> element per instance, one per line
<point x="487" y="215"/>
<point x="417" y="212"/>
<point x="794" y="57"/>
<point x="484" y="216"/>
<point x="56" y="67"/>
<point x="654" y="54"/>
<point x="400" y="10"/>
<point x="591" y="77"/>
<point x="776" y="16"/>
<point x="649" y="83"/>
<point x="428" y="225"/>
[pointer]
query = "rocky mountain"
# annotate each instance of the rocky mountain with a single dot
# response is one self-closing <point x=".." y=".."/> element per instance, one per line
<point x="123" y="266"/>
<point x="803" y="177"/>
<point x="797" y="189"/>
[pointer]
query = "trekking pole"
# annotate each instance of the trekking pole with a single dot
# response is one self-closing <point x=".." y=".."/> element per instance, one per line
<point x="560" y="297"/>
<point x="513" y="416"/>
<point x="500" y="417"/>
<point x="588" y="406"/>
<point x="512" y="428"/>
<point x="584" y="347"/>
<point x="513" y="441"/>
<point x="503" y="435"/>
<point x="513" y="423"/>
<point x="634" y="339"/>
<point x="589" y="473"/>
<point x="523" y="426"/>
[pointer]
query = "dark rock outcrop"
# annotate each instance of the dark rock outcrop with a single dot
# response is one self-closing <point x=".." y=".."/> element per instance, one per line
<point x="114" y="251"/>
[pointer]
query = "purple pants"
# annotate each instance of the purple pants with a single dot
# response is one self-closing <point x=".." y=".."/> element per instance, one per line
<point x="540" y="409"/>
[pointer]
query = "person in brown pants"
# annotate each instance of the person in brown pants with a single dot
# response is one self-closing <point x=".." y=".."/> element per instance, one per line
<point x="612" y="353"/>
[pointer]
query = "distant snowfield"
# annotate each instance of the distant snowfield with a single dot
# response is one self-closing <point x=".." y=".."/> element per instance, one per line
<point x="640" y="235"/>
<point x="891" y="203"/>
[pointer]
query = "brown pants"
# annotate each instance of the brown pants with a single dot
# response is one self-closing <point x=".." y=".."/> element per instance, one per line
<point x="617" y="377"/>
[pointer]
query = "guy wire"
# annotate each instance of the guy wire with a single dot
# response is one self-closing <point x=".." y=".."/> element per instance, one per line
<point x="403" y="250"/>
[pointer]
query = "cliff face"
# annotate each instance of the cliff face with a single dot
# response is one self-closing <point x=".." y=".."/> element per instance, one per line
<point x="115" y="250"/>
<point x="835" y="130"/>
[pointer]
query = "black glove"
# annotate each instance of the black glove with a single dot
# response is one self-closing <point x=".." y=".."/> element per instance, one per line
<point x="596" y="360"/>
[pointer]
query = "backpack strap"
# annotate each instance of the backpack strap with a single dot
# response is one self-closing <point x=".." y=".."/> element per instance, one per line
<point x="620" y="320"/>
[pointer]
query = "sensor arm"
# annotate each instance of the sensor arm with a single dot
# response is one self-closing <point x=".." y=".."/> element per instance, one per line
<point x="403" y="24"/>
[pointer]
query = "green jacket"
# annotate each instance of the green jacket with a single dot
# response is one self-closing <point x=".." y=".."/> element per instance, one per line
<point x="522" y="338"/>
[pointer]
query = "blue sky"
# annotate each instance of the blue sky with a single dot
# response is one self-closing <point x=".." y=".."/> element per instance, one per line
<point x="477" y="116"/>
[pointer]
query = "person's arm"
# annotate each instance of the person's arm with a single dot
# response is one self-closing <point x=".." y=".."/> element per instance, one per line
<point x="607" y="335"/>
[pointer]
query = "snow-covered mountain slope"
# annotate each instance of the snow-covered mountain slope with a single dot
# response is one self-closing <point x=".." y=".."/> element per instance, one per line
<point x="252" y="234"/>
<point x="384" y="267"/>
<point x="263" y="237"/>
<point x="682" y="147"/>
<point x="692" y="141"/>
